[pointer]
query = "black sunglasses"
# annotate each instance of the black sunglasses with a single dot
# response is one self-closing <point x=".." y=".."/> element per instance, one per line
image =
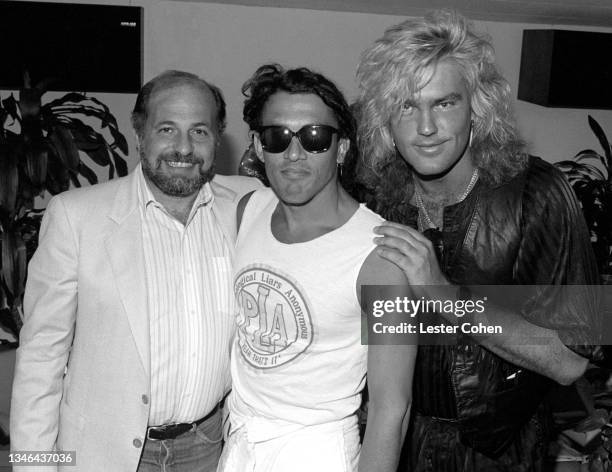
<point x="313" y="138"/>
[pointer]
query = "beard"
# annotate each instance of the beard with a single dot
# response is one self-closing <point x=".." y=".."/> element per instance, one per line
<point x="176" y="185"/>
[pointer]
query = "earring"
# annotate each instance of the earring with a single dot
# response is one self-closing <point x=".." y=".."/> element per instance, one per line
<point x="340" y="166"/>
<point x="395" y="149"/>
<point x="471" y="133"/>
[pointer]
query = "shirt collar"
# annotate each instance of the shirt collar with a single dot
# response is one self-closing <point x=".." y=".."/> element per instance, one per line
<point x="145" y="196"/>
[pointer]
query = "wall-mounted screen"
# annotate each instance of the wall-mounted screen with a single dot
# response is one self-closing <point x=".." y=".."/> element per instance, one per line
<point x="87" y="48"/>
<point x="565" y="68"/>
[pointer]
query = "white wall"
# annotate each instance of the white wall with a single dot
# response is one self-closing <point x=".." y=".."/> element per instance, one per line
<point x="225" y="43"/>
<point x="552" y="133"/>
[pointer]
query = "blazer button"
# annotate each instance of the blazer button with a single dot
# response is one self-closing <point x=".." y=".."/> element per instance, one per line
<point x="145" y="399"/>
<point x="137" y="443"/>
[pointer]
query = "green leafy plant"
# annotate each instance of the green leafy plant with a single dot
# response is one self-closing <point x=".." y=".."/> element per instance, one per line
<point x="590" y="174"/>
<point x="41" y="150"/>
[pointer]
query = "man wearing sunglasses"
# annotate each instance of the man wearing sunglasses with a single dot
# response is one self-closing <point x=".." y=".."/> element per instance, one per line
<point x="442" y="155"/>
<point x="304" y="250"/>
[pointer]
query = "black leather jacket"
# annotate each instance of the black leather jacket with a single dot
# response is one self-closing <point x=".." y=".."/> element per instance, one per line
<point x="527" y="231"/>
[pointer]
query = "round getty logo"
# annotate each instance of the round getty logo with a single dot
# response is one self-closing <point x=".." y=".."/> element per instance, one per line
<point x="274" y="322"/>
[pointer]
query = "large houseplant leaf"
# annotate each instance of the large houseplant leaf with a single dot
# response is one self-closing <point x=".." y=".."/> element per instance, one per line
<point x="13" y="260"/>
<point x="590" y="154"/>
<point x="42" y="147"/>
<point x="36" y="158"/>
<point x="603" y="140"/>
<point x="9" y="180"/>
<point x="10" y="320"/>
<point x="9" y="104"/>
<point x="65" y="147"/>
<point x="577" y="171"/>
<point x="30" y="104"/>
<point x="90" y="142"/>
<point x="58" y="177"/>
<point x="89" y="174"/>
<point x="593" y="187"/>
<point x="120" y="163"/>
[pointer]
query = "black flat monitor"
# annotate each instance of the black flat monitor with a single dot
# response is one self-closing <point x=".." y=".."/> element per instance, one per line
<point x="566" y="68"/>
<point x="83" y="48"/>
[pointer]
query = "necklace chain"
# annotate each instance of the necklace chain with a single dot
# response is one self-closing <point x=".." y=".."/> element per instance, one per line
<point x="418" y="198"/>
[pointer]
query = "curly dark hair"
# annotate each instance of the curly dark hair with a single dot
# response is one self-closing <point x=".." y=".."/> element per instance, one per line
<point x="171" y="78"/>
<point x="272" y="78"/>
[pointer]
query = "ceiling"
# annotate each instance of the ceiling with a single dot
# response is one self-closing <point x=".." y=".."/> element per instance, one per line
<point x="550" y="12"/>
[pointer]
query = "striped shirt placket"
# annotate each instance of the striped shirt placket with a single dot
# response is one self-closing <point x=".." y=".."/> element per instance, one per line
<point x="187" y="273"/>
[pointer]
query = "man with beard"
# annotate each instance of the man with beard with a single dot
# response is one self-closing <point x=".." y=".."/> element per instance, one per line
<point x="124" y="353"/>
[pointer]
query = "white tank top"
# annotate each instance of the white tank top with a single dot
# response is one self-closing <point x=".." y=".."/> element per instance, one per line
<point x="297" y="356"/>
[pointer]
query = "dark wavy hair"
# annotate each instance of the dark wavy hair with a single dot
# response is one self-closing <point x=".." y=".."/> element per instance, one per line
<point x="272" y="78"/>
<point x="168" y="79"/>
<point x="399" y="64"/>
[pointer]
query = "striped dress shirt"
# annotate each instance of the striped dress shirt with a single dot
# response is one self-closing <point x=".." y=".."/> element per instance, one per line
<point x="190" y="301"/>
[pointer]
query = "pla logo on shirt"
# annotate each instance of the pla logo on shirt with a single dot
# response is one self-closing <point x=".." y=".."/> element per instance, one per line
<point x="274" y="321"/>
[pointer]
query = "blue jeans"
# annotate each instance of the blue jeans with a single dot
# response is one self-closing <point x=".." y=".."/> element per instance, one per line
<point x="197" y="450"/>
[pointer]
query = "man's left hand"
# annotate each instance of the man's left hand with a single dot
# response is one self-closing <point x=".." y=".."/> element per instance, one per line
<point x="412" y="252"/>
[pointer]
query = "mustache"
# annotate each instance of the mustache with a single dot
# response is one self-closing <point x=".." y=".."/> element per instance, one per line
<point x="178" y="157"/>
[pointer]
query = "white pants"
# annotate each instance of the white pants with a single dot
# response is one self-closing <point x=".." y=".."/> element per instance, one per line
<point x="329" y="447"/>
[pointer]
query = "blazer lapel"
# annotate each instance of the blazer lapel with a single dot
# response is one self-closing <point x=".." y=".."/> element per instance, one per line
<point x="126" y="255"/>
<point x="124" y="247"/>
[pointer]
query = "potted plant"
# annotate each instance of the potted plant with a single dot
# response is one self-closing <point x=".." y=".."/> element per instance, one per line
<point x="40" y="151"/>
<point x="590" y="174"/>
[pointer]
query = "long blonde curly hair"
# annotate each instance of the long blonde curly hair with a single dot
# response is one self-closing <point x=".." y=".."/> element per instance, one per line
<point x="399" y="64"/>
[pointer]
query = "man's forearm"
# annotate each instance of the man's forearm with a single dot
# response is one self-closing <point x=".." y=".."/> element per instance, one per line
<point x="50" y="304"/>
<point x="545" y="354"/>
<point x="36" y="396"/>
<point x="519" y="341"/>
<point x="382" y="444"/>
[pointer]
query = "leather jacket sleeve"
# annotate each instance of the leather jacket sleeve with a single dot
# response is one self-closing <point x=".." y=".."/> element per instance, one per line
<point x="556" y="259"/>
